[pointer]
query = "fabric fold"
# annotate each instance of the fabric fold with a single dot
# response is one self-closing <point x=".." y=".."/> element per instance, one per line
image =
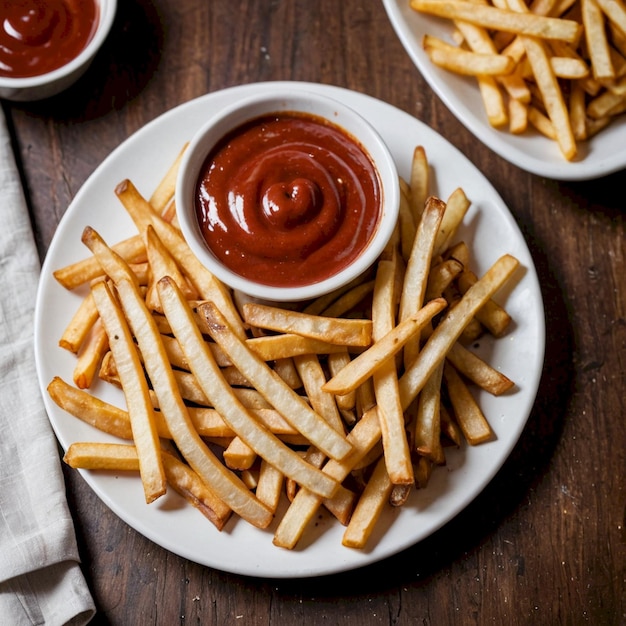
<point x="40" y="577"/>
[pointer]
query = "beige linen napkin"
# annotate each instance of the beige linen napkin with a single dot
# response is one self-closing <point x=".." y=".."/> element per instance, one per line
<point x="40" y="577"/>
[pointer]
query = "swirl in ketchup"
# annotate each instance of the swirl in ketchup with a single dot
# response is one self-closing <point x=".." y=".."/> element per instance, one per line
<point x="288" y="199"/>
<point x="39" y="36"/>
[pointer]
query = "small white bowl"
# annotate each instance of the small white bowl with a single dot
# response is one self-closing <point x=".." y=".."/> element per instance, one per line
<point x="45" y="85"/>
<point x="293" y="100"/>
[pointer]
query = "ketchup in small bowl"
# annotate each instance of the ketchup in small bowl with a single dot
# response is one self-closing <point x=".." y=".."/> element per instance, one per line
<point x="45" y="45"/>
<point x="287" y="197"/>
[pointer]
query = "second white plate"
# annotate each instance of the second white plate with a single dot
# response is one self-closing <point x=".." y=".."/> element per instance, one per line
<point x="241" y="548"/>
<point x="603" y="154"/>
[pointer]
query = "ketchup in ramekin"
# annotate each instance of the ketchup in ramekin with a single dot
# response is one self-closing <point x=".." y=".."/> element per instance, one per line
<point x="40" y="36"/>
<point x="288" y="199"/>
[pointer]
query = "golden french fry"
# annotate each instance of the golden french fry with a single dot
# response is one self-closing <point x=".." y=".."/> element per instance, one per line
<point x="395" y="443"/>
<point x="465" y="62"/>
<point x="493" y="100"/>
<point x="94" y="347"/>
<point x="340" y="331"/>
<point x="369" y="507"/>
<point x="164" y="191"/>
<point x="478" y="371"/>
<point x="90" y="409"/>
<point x="565" y="67"/>
<point x="239" y="455"/>
<point x="274" y="347"/>
<point x="418" y="182"/>
<point x="135" y="389"/>
<point x="468" y="415"/>
<point x="406" y="225"/>
<point x="501" y="19"/>
<point x="124" y="457"/>
<point x="416" y="275"/>
<point x="541" y="122"/>
<point x="518" y="116"/>
<point x="349" y="300"/>
<point x="313" y="378"/>
<point x="491" y="315"/>
<point x="441" y="276"/>
<point x="79" y="326"/>
<point x="427" y="420"/>
<point x="269" y="486"/>
<point x="597" y="44"/>
<point x="456" y="208"/>
<point x="103" y="456"/>
<point x="163" y="264"/>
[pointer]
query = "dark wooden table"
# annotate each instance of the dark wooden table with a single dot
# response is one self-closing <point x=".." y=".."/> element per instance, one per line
<point x="545" y="543"/>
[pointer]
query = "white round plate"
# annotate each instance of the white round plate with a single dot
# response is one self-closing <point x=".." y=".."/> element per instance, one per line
<point x="241" y="548"/>
<point x="603" y="154"/>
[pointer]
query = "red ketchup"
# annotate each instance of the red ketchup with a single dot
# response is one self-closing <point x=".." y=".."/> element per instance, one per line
<point x="288" y="199"/>
<point x="39" y="36"/>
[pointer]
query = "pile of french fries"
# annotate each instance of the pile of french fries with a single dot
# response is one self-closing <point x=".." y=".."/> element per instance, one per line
<point x="556" y="65"/>
<point x="346" y="402"/>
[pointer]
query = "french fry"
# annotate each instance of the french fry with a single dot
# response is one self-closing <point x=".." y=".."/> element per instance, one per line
<point x="79" y="326"/>
<point x="501" y="19"/>
<point x="465" y="62"/>
<point x="163" y="264"/>
<point x="548" y="86"/>
<point x="491" y="315"/>
<point x="269" y="485"/>
<point x="597" y="44"/>
<point x="136" y="391"/>
<point x="456" y="208"/>
<point x="418" y="182"/>
<point x="468" y="415"/>
<point x="340" y="331"/>
<point x="427" y="419"/>
<point x="416" y="275"/>
<point x="349" y="300"/>
<point x="94" y="347"/>
<point x="368" y="510"/>
<point x="164" y="191"/>
<point x="478" y="371"/>
<point x="397" y="455"/>
<point x="90" y="409"/>
<point x="239" y="455"/>
<point x="313" y="378"/>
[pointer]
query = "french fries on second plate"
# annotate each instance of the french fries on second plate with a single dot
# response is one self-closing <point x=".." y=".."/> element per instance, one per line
<point x="557" y="66"/>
